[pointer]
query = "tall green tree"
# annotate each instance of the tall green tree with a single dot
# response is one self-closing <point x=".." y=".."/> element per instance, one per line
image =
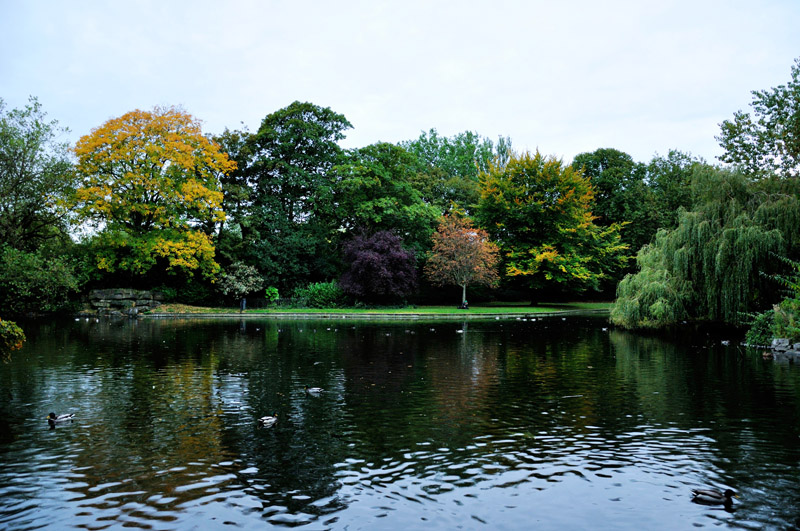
<point x="539" y="211"/>
<point x="621" y="194"/>
<point x="375" y="193"/>
<point x="35" y="177"/>
<point x="670" y="180"/>
<point x="288" y="228"/>
<point x="236" y="195"/>
<point x="449" y="166"/>
<point x="768" y="141"/>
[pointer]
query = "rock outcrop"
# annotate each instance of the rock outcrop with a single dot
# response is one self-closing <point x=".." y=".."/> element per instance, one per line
<point x="783" y="350"/>
<point x="124" y="302"/>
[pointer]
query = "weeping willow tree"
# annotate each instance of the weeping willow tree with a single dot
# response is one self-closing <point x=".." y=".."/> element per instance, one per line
<point x="710" y="267"/>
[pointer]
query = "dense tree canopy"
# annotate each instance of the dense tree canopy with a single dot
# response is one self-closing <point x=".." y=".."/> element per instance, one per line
<point x="709" y="266"/>
<point x="540" y="213"/>
<point x="447" y="175"/>
<point x="287" y="207"/>
<point x="35" y="177"/>
<point x="149" y="181"/>
<point x="36" y="281"/>
<point x="287" y="230"/>
<point x="374" y="193"/>
<point x="669" y="178"/>
<point x="621" y="194"/>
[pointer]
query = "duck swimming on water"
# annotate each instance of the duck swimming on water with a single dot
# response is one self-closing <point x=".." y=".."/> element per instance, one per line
<point x="314" y="390"/>
<point x="713" y="497"/>
<point x="268" y="420"/>
<point x="52" y="417"/>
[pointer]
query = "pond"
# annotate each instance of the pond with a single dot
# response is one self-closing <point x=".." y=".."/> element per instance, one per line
<point x="553" y="423"/>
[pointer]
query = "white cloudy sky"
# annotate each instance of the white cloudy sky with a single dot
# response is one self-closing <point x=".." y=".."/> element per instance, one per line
<point x="563" y="76"/>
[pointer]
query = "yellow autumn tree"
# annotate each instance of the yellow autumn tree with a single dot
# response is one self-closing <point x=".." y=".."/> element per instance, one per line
<point x="539" y="211"/>
<point x="149" y="182"/>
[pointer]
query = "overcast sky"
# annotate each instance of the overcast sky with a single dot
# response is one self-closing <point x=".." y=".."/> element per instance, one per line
<point x="563" y="76"/>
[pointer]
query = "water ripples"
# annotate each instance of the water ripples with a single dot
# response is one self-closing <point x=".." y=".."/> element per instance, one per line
<point x="493" y="428"/>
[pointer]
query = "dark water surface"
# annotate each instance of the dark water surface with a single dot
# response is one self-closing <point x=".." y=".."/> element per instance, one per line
<point x="546" y="424"/>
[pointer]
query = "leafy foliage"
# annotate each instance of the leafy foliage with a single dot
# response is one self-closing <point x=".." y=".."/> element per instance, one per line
<point x="271" y="294"/>
<point x="319" y="295"/>
<point x="707" y="267"/>
<point x="240" y="279"/>
<point x="375" y="193"/>
<point x="35" y="177"/>
<point x="768" y="141"/>
<point x="287" y="230"/>
<point x="669" y="178"/>
<point x="621" y="194"/>
<point x="787" y="313"/>
<point x="540" y="213"/>
<point x="787" y="319"/>
<point x="449" y="166"/>
<point x="236" y="191"/>
<point x="462" y="255"/>
<point x="783" y="319"/>
<point x="760" y="333"/>
<point x="11" y="338"/>
<point x="37" y="281"/>
<point x="149" y="179"/>
<point x="379" y="269"/>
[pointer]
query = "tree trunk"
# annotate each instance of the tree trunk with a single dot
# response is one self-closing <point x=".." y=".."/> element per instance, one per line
<point x="463" y="294"/>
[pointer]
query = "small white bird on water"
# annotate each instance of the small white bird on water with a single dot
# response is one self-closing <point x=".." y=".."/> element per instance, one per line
<point x="268" y="420"/>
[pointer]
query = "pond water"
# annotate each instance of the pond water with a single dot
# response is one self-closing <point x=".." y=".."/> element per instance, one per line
<point x="554" y="423"/>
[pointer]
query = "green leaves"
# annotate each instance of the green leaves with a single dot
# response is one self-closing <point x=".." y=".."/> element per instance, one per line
<point x="240" y="279"/>
<point x="36" y="281"/>
<point x="708" y="266"/>
<point x="769" y="140"/>
<point x="375" y="193"/>
<point x="35" y="178"/>
<point x="540" y="213"/>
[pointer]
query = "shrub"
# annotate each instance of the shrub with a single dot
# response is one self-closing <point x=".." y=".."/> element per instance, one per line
<point x="787" y="320"/>
<point x="37" y="282"/>
<point x="760" y="332"/>
<point x="271" y="294"/>
<point x="11" y="338"/>
<point x="319" y="295"/>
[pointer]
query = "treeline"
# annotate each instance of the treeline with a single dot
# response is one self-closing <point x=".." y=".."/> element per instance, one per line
<point x="148" y="200"/>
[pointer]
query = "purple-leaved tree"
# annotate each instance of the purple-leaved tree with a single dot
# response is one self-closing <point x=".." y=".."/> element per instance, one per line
<point x="379" y="269"/>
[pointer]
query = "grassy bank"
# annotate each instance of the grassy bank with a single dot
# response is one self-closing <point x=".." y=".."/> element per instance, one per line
<point x="493" y="308"/>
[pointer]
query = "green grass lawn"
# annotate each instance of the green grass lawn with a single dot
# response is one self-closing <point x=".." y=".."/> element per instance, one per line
<point x="489" y="308"/>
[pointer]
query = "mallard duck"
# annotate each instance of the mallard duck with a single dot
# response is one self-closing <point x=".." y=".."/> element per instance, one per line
<point x="268" y="420"/>
<point x="713" y="497"/>
<point x="314" y="390"/>
<point x="52" y="417"/>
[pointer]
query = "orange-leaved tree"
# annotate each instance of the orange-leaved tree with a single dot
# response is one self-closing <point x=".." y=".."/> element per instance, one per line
<point x="462" y="255"/>
<point x="150" y="183"/>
